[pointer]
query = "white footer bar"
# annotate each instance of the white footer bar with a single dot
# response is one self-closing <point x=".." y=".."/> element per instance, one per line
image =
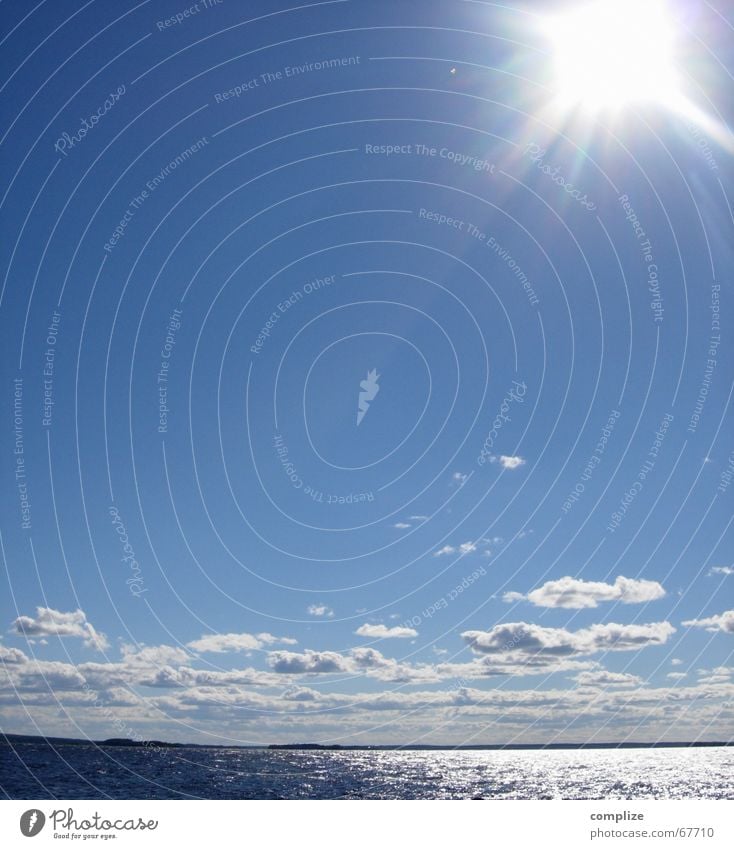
<point x="365" y="824"/>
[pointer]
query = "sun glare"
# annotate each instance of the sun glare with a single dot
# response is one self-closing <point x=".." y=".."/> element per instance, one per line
<point x="608" y="53"/>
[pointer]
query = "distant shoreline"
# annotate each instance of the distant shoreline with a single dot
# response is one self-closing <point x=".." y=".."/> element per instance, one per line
<point x="25" y="739"/>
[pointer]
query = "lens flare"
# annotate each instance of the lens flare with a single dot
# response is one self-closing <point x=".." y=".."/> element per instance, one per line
<point x="608" y="54"/>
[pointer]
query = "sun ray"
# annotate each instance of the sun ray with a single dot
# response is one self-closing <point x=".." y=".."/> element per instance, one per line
<point x="609" y="56"/>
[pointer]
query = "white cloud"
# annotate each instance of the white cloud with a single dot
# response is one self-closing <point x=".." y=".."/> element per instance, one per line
<point x="308" y="662"/>
<point x="54" y="623"/>
<point x="676" y="661"/>
<point x="401" y="526"/>
<point x="382" y="632"/>
<point x="576" y="593"/>
<point x="45" y="676"/>
<point x="269" y="639"/>
<point x="142" y="655"/>
<point x="512" y="597"/>
<point x="298" y="712"/>
<point x="604" y="678"/>
<point x="721" y="622"/>
<point x="320" y="610"/>
<point x="717" y="675"/>
<point x="374" y="664"/>
<point x="301" y="694"/>
<point x="493" y="540"/>
<point x="11" y="655"/>
<point x="534" y="641"/>
<point x="419" y="518"/>
<point x="367" y="661"/>
<point x="462" y="548"/>
<point x="721" y="570"/>
<point x="184" y="676"/>
<point x="219" y="643"/>
<point x="218" y="702"/>
<point x="459" y="478"/>
<point x="676" y="676"/>
<point x="508" y="462"/>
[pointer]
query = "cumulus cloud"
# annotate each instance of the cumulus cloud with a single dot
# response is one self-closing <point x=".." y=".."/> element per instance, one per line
<point x="374" y="664"/>
<point x="717" y="675"/>
<point x="269" y="639"/>
<point x="48" y="676"/>
<point x="604" y="678"/>
<point x="513" y="596"/>
<point x="301" y="694"/>
<point x="721" y="570"/>
<point x="508" y="462"/>
<point x="164" y="667"/>
<point x="721" y="622"/>
<point x="401" y="526"/>
<point x="320" y="610"/>
<point x="53" y="623"/>
<point x="576" y="593"/>
<point x="298" y="712"/>
<point x="185" y="676"/>
<point x="382" y="632"/>
<point x="219" y="643"/>
<point x="11" y="655"/>
<point x="528" y="640"/>
<point x="293" y="663"/>
<point x="462" y="548"/>
<point x="367" y="661"/>
<point x="219" y="701"/>
<point x="142" y="655"/>
<point x="522" y="638"/>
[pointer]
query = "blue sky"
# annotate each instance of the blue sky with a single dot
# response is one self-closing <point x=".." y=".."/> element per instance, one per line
<point x="229" y="236"/>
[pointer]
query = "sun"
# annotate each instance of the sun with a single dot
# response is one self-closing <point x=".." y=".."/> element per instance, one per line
<point x="610" y="53"/>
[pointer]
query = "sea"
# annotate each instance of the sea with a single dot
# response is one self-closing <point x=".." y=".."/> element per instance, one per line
<point x="40" y="771"/>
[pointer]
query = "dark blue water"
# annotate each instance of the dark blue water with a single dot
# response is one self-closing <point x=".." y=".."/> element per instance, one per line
<point x="37" y="771"/>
